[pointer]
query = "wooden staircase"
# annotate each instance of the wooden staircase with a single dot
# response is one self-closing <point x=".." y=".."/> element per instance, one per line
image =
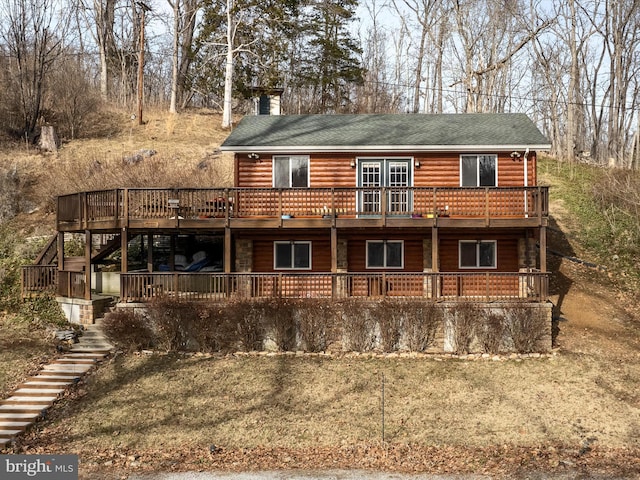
<point x="103" y="246"/>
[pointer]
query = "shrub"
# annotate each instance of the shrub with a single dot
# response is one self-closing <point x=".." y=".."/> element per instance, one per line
<point x="357" y="325"/>
<point x="246" y="316"/>
<point x="463" y="317"/>
<point x="280" y="316"/>
<point x="421" y="322"/>
<point x="389" y="315"/>
<point x="490" y="331"/>
<point x="525" y="326"/>
<point x="172" y="321"/>
<point x="130" y="331"/>
<point x="316" y="323"/>
<point x="214" y="328"/>
<point x="42" y="310"/>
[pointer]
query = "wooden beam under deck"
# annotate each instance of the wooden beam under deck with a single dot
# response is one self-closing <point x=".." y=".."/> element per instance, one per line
<point x="169" y="225"/>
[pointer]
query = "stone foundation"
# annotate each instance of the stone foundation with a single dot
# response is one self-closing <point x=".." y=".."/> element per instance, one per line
<point x="84" y="312"/>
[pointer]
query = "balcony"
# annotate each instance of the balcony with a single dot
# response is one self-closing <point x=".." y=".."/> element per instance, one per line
<point x="303" y="208"/>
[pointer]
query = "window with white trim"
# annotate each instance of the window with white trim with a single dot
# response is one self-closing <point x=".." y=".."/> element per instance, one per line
<point x="478" y="170"/>
<point x="292" y="255"/>
<point x="291" y="171"/>
<point x="477" y="253"/>
<point x="385" y="253"/>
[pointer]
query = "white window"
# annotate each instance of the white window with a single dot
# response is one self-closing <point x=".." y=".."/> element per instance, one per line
<point x="292" y="255"/>
<point x="385" y="254"/>
<point x="477" y="253"/>
<point x="291" y="171"/>
<point x="478" y="170"/>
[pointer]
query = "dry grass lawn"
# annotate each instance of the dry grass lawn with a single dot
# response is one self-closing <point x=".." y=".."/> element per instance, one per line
<point x="22" y="349"/>
<point x="585" y="399"/>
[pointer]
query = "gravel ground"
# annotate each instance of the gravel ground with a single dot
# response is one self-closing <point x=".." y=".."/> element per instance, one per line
<point x="353" y="475"/>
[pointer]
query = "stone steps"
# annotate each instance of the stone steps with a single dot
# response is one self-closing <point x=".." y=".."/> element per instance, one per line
<point x="37" y="393"/>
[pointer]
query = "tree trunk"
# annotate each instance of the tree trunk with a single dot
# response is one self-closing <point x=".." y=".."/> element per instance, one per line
<point x="49" y="141"/>
<point x="174" y="56"/>
<point x="228" y="70"/>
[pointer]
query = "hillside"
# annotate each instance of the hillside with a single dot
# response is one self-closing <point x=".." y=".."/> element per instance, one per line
<point x="574" y="412"/>
<point x="168" y="151"/>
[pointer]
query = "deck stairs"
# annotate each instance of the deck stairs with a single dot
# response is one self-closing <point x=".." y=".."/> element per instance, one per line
<point x="33" y="397"/>
<point x="103" y="246"/>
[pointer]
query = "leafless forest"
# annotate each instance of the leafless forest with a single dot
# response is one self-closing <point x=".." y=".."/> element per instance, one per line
<point x="572" y="65"/>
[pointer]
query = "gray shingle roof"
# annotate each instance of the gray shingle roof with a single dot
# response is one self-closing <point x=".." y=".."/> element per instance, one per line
<point x="379" y="131"/>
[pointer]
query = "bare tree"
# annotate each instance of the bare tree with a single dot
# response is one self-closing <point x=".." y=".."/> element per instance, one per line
<point x="104" y="16"/>
<point x="374" y="95"/>
<point x="33" y="36"/>
<point x="431" y="18"/>
<point x="184" y="24"/>
<point x="488" y="37"/>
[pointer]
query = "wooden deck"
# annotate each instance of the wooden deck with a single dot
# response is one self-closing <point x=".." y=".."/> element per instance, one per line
<point x="145" y="209"/>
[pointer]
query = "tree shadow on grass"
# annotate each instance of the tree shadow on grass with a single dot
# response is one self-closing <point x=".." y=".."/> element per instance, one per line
<point x="558" y="245"/>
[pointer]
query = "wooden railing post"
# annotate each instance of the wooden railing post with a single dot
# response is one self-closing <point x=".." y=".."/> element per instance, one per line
<point x="334" y="213"/>
<point x="539" y="205"/>
<point x="227" y="207"/>
<point x="125" y="206"/>
<point x="487" y="287"/>
<point x="383" y="287"/>
<point x="82" y="209"/>
<point x="383" y="205"/>
<point x="487" y="210"/>
<point x="434" y="206"/>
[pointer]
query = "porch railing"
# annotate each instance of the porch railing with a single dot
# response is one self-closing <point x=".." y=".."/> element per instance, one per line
<point x="141" y="287"/>
<point x="36" y="279"/>
<point x="71" y="284"/>
<point x="525" y="286"/>
<point x="463" y="202"/>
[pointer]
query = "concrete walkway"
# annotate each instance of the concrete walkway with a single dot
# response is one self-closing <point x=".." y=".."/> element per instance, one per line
<point x="37" y="393"/>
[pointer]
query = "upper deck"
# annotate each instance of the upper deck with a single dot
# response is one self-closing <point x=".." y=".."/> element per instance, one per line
<point x="239" y="208"/>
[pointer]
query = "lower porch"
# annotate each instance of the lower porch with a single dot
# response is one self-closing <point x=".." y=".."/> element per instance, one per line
<point x="527" y="285"/>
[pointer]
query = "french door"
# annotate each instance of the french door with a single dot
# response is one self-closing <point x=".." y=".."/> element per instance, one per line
<point x="395" y="174"/>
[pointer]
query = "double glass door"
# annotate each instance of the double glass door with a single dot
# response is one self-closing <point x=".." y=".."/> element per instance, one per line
<point x="395" y="174"/>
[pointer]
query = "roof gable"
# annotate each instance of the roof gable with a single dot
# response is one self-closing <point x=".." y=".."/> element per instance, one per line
<point x="385" y="131"/>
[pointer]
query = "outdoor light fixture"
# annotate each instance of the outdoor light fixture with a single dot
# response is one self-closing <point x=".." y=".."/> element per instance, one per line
<point x="515" y="155"/>
<point x="417" y="164"/>
<point x="253" y="156"/>
<point x="353" y="163"/>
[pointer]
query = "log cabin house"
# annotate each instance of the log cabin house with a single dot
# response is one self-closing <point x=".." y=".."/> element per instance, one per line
<point x="442" y="207"/>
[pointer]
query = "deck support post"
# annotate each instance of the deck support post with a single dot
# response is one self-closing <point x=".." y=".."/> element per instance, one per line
<point x="87" y="264"/>
<point x="150" y="252"/>
<point x="334" y="250"/>
<point x="543" y="249"/>
<point x="227" y="249"/>
<point x="334" y="258"/>
<point x="435" y="264"/>
<point x="60" y="247"/>
<point x="172" y="252"/>
<point x="124" y="247"/>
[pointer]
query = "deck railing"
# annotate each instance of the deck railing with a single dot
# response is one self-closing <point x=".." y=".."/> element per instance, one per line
<point x="71" y="284"/>
<point x="141" y="287"/>
<point x="525" y="286"/>
<point x="36" y="279"/>
<point x="463" y="202"/>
